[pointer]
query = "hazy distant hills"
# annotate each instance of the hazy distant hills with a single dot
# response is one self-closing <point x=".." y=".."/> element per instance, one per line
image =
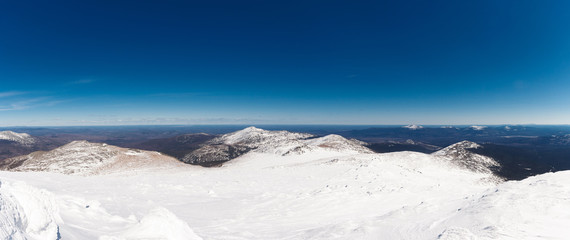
<point x="178" y="146"/>
<point x="446" y="135"/>
<point x="87" y="158"/>
<point x="14" y="144"/>
<point x="398" y="146"/>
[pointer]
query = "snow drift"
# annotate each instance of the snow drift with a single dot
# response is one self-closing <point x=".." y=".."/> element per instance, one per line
<point x="286" y="186"/>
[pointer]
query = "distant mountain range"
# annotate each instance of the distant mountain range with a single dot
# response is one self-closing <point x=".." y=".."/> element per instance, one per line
<point x="85" y="158"/>
<point x="524" y="155"/>
<point x="277" y="185"/>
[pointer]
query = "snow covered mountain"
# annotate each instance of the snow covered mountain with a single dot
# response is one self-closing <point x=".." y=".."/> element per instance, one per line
<point x="86" y="158"/>
<point x="233" y="145"/>
<point x="413" y="127"/>
<point x="21" y="138"/>
<point x="399" y="195"/>
<point x="478" y="128"/>
<point x="460" y="155"/>
<point x="253" y="137"/>
<point x="282" y="186"/>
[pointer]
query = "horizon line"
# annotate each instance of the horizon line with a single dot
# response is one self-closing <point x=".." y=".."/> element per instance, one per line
<point x="282" y="124"/>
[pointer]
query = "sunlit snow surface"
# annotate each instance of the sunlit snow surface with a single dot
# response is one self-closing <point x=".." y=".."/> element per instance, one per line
<point x="316" y="195"/>
<point x="21" y="138"/>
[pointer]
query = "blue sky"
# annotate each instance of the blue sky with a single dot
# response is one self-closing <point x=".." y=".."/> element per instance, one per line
<point x="290" y="62"/>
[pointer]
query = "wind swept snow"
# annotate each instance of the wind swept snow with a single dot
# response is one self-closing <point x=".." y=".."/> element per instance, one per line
<point x="330" y="191"/>
<point x="233" y="145"/>
<point x="158" y="224"/>
<point x="27" y="212"/>
<point x="460" y="155"/>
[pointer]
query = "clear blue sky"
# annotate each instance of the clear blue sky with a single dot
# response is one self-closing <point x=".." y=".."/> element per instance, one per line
<point x="292" y="62"/>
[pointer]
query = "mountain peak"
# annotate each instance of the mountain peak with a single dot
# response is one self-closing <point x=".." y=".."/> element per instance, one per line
<point x="235" y="144"/>
<point x="478" y="128"/>
<point x="459" y="154"/>
<point x="82" y="143"/>
<point x="255" y="137"/>
<point x="464" y="144"/>
<point x="253" y="129"/>
<point x="459" y="148"/>
<point x="22" y="138"/>
<point x="338" y="143"/>
<point x="413" y="127"/>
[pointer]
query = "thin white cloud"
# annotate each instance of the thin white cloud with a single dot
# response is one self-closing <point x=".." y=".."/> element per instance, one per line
<point x="21" y="105"/>
<point x="31" y="103"/>
<point x="11" y="94"/>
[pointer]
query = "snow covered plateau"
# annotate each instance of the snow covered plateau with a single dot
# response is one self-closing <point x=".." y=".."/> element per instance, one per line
<point x="286" y="186"/>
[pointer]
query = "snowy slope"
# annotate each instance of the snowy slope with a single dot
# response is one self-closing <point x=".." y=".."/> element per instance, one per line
<point x="316" y="195"/>
<point x="84" y="158"/>
<point x="233" y="145"/>
<point x="253" y="137"/>
<point x="535" y="208"/>
<point x="403" y="195"/>
<point x="460" y="155"/>
<point x="21" y="138"/>
<point x="27" y="212"/>
<point x="328" y="192"/>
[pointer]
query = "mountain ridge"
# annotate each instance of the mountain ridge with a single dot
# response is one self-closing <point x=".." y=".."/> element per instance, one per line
<point x="21" y="138"/>
<point x="232" y="145"/>
<point x="87" y="158"/>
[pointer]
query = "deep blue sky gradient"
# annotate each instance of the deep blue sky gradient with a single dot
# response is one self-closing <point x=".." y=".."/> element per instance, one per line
<point x="290" y="62"/>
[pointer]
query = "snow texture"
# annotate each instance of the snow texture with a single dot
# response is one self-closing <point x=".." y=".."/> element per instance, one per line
<point x="413" y="127"/>
<point x="27" y="212"/>
<point x="233" y="145"/>
<point x="460" y="155"/>
<point x="21" y="138"/>
<point x="478" y="128"/>
<point x="86" y="158"/>
<point x="265" y="194"/>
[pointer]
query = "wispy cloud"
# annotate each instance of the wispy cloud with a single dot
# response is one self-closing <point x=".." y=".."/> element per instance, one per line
<point x="23" y="104"/>
<point x="11" y="94"/>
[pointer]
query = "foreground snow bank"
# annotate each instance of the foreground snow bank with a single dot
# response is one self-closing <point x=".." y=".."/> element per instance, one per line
<point x="158" y="224"/>
<point x="27" y="212"/>
<point x="315" y="195"/>
<point x="534" y="208"/>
